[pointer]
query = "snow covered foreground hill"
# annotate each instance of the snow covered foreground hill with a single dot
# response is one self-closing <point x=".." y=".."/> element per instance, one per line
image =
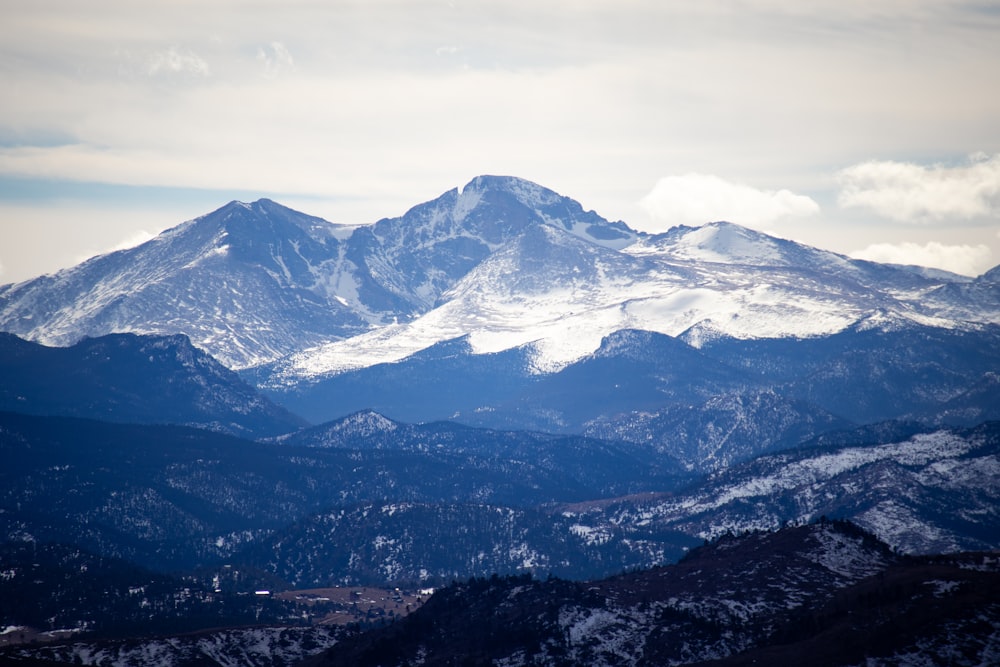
<point x="503" y="262"/>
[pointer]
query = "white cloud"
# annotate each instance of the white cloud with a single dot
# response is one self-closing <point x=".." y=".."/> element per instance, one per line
<point x="910" y="192"/>
<point x="173" y="61"/>
<point x="700" y="198"/>
<point x="132" y="240"/>
<point x="964" y="259"/>
<point x="276" y="59"/>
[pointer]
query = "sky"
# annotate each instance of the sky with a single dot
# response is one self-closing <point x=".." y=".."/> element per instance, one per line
<point x="870" y="128"/>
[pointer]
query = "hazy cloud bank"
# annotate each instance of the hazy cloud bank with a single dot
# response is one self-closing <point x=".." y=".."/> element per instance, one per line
<point x="909" y="192"/>
<point x="694" y="199"/>
<point x="963" y="259"/>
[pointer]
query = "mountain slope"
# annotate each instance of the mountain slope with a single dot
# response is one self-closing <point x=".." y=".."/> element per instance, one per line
<point x="919" y="490"/>
<point x="137" y="379"/>
<point x="559" y="296"/>
<point x="792" y="593"/>
<point x="433" y="384"/>
<point x="873" y="371"/>
<point x="726" y="401"/>
<point x="722" y="430"/>
<point x="600" y="467"/>
<point x="409" y="544"/>
<point x="243" y="282"/>
<point x="175" y="497"/>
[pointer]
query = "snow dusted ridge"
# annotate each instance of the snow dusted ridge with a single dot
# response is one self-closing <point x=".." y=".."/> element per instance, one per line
<point x="251" y="646"/>
<point x="501" y="261"/>
<point x="915" y="495"/>
<point x="560" y="295"/>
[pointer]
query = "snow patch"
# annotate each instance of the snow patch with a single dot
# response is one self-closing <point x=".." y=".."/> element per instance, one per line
<point x="845" y="556"/>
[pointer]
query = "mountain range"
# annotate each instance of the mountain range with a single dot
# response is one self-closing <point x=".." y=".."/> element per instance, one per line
<point x="497" y="382"/>
<point x="251" y="283"/>
<point x="503" y="304"/>
<point x="178" y="498"/>
<point x="502" y="261"/>
<point x="369" y="501"/>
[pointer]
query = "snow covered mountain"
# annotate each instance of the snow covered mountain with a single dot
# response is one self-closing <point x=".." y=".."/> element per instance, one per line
<point x="611" y="370"/>
<point x="250" y="283"/>
<point x="561" y="295"/>
<point x="502" y="261"/>
<point x="244" y="283"/>
<point x="506" y="305"/>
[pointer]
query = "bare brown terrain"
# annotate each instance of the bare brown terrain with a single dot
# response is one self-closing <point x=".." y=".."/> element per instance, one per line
<point x="357" y="604"/>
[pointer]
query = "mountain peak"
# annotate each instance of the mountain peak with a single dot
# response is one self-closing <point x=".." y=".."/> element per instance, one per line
<point x="259" y="206"/>
<point x="527" y="192"/>
<point x="549" y="208"/>
<point x="723" y="241"/>
<point x="267" y="214"/>
<point x="262" y="205"/>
